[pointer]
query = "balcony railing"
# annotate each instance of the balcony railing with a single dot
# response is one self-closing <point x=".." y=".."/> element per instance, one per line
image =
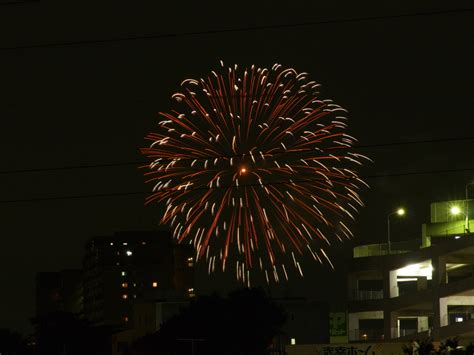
<point x="366" y="335"/>
<point x="364" y="295"/>
<point x="401" y="332"/>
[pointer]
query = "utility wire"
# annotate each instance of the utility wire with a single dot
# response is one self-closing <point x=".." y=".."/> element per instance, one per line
<point x="237" y="29"/>
<point x="19" y="2"/>
<point x="138" y="163"/>
<point x="116" y="194"/>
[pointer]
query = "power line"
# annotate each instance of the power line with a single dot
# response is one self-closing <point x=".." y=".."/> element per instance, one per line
<point x="237" y="29"/>
<point x="106" y="165"/>
<point x="117" y="194"/>
<point x="19" y="2"/>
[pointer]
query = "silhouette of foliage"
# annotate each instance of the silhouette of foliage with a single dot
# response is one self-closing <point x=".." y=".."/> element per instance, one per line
<point x="62" y="333"/>
<point x="12" y="343"/>
<point x="242" y="324"/>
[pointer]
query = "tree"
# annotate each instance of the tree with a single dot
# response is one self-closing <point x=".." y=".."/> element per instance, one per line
<point x="242" y="324"/>
<point x="62" y="333"/>
<point x="12" y="343"/>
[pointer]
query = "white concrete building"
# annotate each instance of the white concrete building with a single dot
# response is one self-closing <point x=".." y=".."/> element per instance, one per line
<point x="420" y="289"/>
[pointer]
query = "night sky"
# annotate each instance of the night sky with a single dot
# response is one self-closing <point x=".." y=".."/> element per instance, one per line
<point x="70" y="99"/>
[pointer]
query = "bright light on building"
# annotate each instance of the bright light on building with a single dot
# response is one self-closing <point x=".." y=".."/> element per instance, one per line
<point x="125" y="243"/>
<point x="124" y="273"/>
<point x="293" y="341"/>
<point x="128" y="252"/>
<point x="421" y="269"/>
<point x="155" y="284"/>
<point x="111" y="243"/>
<point x="124" y="285"/>
<point x="401" y="211"/>
<point x="457" y="236"/>
<point x="459" y="319"/>
<point x="124" y="296"/>
<point x="455" y="210"/>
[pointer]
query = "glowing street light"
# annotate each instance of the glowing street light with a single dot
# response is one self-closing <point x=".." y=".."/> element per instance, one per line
<point x="399" y="212"/>
<point x="455" y="210"/>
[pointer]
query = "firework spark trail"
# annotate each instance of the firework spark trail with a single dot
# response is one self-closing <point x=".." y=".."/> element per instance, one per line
<point x="218" y="162"/>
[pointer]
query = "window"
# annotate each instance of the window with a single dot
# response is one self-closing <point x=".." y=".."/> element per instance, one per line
<point x="124" y="243"/>
<point x="125" y="296"/>
<point x="128" y="252"/>
<point x="111" y="243"/>
<point x="124" y="273"/>
<point x="154" y="284"/>
<point x="191" y="293"/>
<point x="293" y="341"/>
<point x="143" y="243"/>
<point x="125" y="319"/>
<point x="190" y="262"/>
<point x="124" y="285"/>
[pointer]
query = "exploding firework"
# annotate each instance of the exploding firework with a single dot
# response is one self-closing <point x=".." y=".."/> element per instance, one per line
<point x="254" y="168"/>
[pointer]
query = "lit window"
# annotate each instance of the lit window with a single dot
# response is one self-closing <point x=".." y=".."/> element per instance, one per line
<point x="111" y="243"/>
<point x="190" y="259"/>
<point x="459" y="319"/>
<point x="191" y="292"/>
<point x="124" y="285"/>
<point x="129" y="252"/>
<point x="293" y="341"/>
<point x="134" y="284"/>
<point x="125" y="243"/>
<point x="190" y="262"/>
<point x="124" y="273"/>
<point x="124" y="296"/>
<point x="155" y="284"/>
<point x="125" y="319"/>
<point x="143" y="243"/>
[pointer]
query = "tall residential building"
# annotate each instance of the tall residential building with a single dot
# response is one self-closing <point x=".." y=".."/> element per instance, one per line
<point x="130" y="267"/>
<point x="59" y="291"/>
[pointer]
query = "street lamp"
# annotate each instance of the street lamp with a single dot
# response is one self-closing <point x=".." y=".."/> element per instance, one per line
<point x="466" y="207"/>
<point x="399" y="212"/>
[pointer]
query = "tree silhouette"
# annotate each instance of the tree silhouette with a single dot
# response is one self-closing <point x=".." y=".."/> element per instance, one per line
<point x="12" y="343"/>
<point x="62" y="333"/>
<point x="242" y="324"/>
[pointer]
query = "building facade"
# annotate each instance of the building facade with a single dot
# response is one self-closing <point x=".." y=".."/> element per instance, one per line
<point x="132" y="267"/>
<point x="420" y="289"/>
<point x="59" y="292"/>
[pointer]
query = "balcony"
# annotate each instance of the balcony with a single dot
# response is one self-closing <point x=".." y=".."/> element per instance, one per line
<point x="366" y="335"/>
<point x="365" y="295"/>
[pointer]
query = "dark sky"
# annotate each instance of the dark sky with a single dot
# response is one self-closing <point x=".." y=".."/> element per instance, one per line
<point x="403" y="78"/>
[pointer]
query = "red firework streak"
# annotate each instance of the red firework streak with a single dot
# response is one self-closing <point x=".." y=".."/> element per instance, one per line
<point x="253" y="167"/>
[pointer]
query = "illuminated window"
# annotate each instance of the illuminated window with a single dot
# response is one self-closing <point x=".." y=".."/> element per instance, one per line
<point x="293" y="341"/>
<point x="143" y="243"/>
<point x="124" y="273"/>
<point x="111" y="243"/>
<point x="459" y="319"/>
<point x="191" y="292"/>
<point x="125" y="243"/>
<point x="124" y="285"/>
<point x="124" y="296"/>
<point x="155" y="284"/>
<point x="125" y="319"/>
<point x="190" y="262"/>
<point x="129" y="252"/>
<point x="134" y="284"/>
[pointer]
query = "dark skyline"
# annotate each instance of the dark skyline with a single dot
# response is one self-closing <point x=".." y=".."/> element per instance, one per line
<point x="84" y="101"/>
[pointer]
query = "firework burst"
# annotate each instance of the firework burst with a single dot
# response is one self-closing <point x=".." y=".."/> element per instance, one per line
<point x="254" y="168"/>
